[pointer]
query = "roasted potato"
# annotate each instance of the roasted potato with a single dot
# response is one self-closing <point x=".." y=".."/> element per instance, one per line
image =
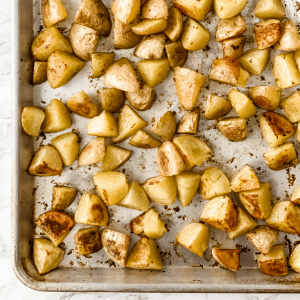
<point x="255" y="61"/>
<point x="100" y="62"/>
<point x="103" y="125"/>
<point x="194" y="36"/>
<point x="39" y="72"/>
<point x="244" y="179"/>
<point x="175" y="24"/>
<point x="229" y="258"/>
<point x="233" y="47"/>
<point x="165" y="127"/>
<point x="188" y="85"/>
<point x="53" y="11"/>
<point x="143" y="140"/>
<point x="93" y="152"/>
<point x="48" y="41"/>
<point x="144" y="255"/>
<point x="213" y="183"/>
<point x="235" y="129"/>
<point x="126" y="11"/>
<point x="62" y="197"/>
<point x="226" y="10"/>
<point x="61" y="68"/>
<point x="55" y="225"/>
<point x="242" y="104"/>
<point x="177" y="55"/>
<point x="91" y="211"/>
<point x="193" y="8"/>
<point x="32" y="119"/>
<point x="151" y="47"/>
<point x="161" y="189"/>
<point x="220" y="213"/>
<point x="295" y="197"/>
<point x="273" y="263"/>
<point x="267" y="33"/>
<point x="155" y="9"/>
<point x="116" y="245"/>
<point x="46" y="256"/>
<point x="291" y="106"/>
<point x="269" y="9"/>
<point x="136" y="198"/>
<point x="46" y="162"/>
<point x="294" y="259"/>
<point x="194" y="237"/>
<point x="298" y="132"/>
<point x="189" y="122"/>
<point x="150" y="26"/>
<point x="265" y="97"/>
<point x="94" y="14"/>
<point x="275" y="128"/>
<point x="187" y="186"/>
<point x="216" y="107"/>
<point x="87" y="241"/>
<point x="230" y="28"/>
<point x="192" y="150"/>
<point x="285" y="217"/>
<point x="263" y="238"/>
<point x="114" y="158"/>
<point x="112" y="99"/>
<point x="297" y="58"/>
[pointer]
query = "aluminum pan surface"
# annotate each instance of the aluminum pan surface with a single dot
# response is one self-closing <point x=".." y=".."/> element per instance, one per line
<point x="182" y="271"/>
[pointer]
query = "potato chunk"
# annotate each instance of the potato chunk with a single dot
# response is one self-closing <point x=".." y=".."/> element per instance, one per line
<point x="46" y="256"/>
<point x="294" y="260"/>
<point x="235" y="129"/>
<point x="187" y="185"/>
<point x="39" y="72"/>
<point x="194" y="237"/>
<point x="265" y="97"/>
<point x="136" y="198"/>
<point x="295" y="197"/>
<point x="144" y="255"/>
<point x="177" y="55"/>
<point x="112" y="99"/>
<point x="275" y="128"/>
<point x="53" y="11"/>
<point x="126" y="11"/>
<point x="220" y="213"/>
<point x="188" y="85"/>
<point x="151" y="47"/>
<point x="155" y="9"/>
<point x="255" y="61"/>
<point x="285" y="217"/>
<point x="193" y="8"/>
<point x="93" y="152"/>
<point x="55" y="225"/>
<point x="87" y="241"/>
<point x="165" y="127"/>
<point x="244" y="179"/>
<point x="214" y="183"/>
<point x="229" y="258"/>
<point x="161" y="189"/>
<point x="150" y="26"/>
<point x="189" y="122"/>
<point x="267" y="33"/>
<point x="263" y="238"/>
<point x="62" y="197"/>
<point x="103" y="125"/>
<point x="233" y="47"/>
<point x="46" y="162"/>
<point x="91" y="211"/>
<point x="32" y="119"/>
<point x="269" y="9"/>
<point x="291" y="106"/>
<point x="100" y="62"/>
<point x="273" y="263"/>
<point x="143" y="140"/>
<point x="230" y="28"/>
<point x="216" y="107"/>
<point x="226" y="10"/>
<point x="175" y="24"/>
<point x="116" y="245"/>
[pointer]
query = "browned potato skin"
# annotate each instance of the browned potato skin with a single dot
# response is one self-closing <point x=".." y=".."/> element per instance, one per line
<point x="165" y="127"/>
<point x="112" y="99"/>
<point x="233" y="47"/>
<point x="151" y="47"/>
<point x="189" y="122"/>
<point x="265" y="97"/>
<point x="62" y="197"/>
<point x="235" y="129"/>
<point x="194" y="8"/>
<point x="175" y="24"/>
<point x="87" y="241"/>
<point x="155" y="9"/>
<point x="228" y="28"/>
<point x="177" y="55"/>
<point x="216" y="107"/>
<point x="143" y="140"/>
<point x="39" y="72"/>
<point x="267" y="33"/>
<point x="100" y="62"/>
<point x="229" y="258"/>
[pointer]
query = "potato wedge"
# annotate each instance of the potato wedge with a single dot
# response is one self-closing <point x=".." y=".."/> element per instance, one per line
<point x="165" y="127"/>
<point x="46" y="256"/>
<point x="161" y="189"/>
<point x="226" y="10"/>
<point x="112" y="99"/>
<point x="189" y="122"/>
<point x="273" y="263"/>
<point x="263" y="238"/>
<point x="267" y="33"/>
<point x="114" y="158"/>
<point x="55" y="225"/>
<point x="265" y="97"/>
<point x="194" y="237"/>
<point x="193" y="8"/>
<point x="93" y="152"/>
<point x="230" y="28"/>
<point x="39" y="72"/>
<point x="87" y="241"/>
<point x="229" y="258"/>
<point x="137" y="225"/>
<point x="100" y="62"/>
<point x="62" y="197"/>
<point x="216" y="107"/>
<point x="291" y="106"/>
<point x="234" y="47"/>
<point x="103" y="125"/>
<point x="177" y="55"/>
<point x="46" y="162"/>
<point x="155" y="9"/>
<point x="269" y="9"/>
<point x="32" y="119"/>
<point x="255" y="61"/>
<point x="151" y="47"/>
<point x="116" y="245"/>
<point x="53" y="11"/>
<point x="175" y="24"/>
<point x="235" y="129"/>
<point x="244" y="179"/>
<point x="126" y="11"/>
<point x="295" y="197"/>
<point x="294" y="259"/>
<point x="298" y="132"/>
<point x="150" y="26"/>
<point x="143" y="140"/>
<point x="275" y="128"/>
<point x="220" y="213"/>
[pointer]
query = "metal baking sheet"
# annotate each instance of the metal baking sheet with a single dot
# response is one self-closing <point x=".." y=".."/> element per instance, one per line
<point x="182" y="270"/>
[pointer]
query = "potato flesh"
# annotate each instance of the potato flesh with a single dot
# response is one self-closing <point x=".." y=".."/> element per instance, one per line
<point x="175" y="24"/>
<point x="143" y="140"/>
<point x="267" y="33"/>
<point x="294" y="260"/>
<point x="193" y="8"/>
<point x="235" y="129"/>
<point x="255" y="61"/>
<point x="112" y="99"/>
<point x="32" y="119"/>
<point x="265" y="97"/>
<point x="291" y="106"/>
<point x="100" y="62"/>
<point x="53" y="12"/>
<point x="234" y="47"/>
<point x="216" y="107"/>
<point x="126" y="10"/>
<point x="155" y="9"/>
<point x="177" y="55"/>
<point x="165" y="127"/>
<point x="189" y="122"/>
<point x="62" y="197"/>
<point x="87" y="241"/>
<point x="39" y="72"/>
<point x="295" y="197"/>
<point x="230" y="28"/>
<point x="269" y="9"/>
<point x="229" y="258"/>
<point x="93" y="152"/>
<point x="151" y="47"/>
<point x="103" y="125"/>
<point x="227" y="9"/>
<point x="150" y="26"/>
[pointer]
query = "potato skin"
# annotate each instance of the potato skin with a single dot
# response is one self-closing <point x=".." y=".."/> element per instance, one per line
<point x="150" y="26"/>
<point x="233" y="47"/>
<point x="229" y="258"/>
<point x="235" y="129"/>
<point x="265" y="97"/>
<point x="165" y="127"/>
<point x="216" y="107"/>
<point x="267" y="33"/>
<point x="32" y="119"/>
<point x="155" y="9"/>
<point x="151" y="47"/>
<point x="175" y="24"/>
<point x="193" y="8"/>
<point x="177" y="55"/>
<point x="189" y="122"/>
<point x="230" y="27"/>
<point x="269" y="9"/>
<point x="112" y="99"/>
<point x="53" y="12"/>
<point x="87" y="241"/>
<point x="39" y="72"/>
<point x="227" y="9"/>
<point x="126" y="10"/>
<point x="100" y="63"/>
<point x="62" y="197"/>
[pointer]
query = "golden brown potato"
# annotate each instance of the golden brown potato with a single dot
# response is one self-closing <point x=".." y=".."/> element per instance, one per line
<point x="126" y="11"/>
<point x="161" y="189"/>
<point x="155" y="9"/>
<point x="193" y="8"/>
<point x="235" y="129"/>
<point x="265" y="97"/>
<point x="269" y="9"/>
<point x="188" y="85"/>
<point x="53" y="11"/>
<point x="91" y="211"/>
<point x="55" y="225"/>
<point x="189" y="122"/>
<point x="194" y="36"/>
<point x="143" y="140"/>
<point x="295" y="197"/>
<point x="39" y="72"/>
<point x="137" y="225"/>
<point x="87" y="241"/>
<point x="275" y="128"/>
<point x="267" y="33"/>
<point x="150" y="26"/>
<point x="194" y="237"/>
<point x="230" y="28"/>
<point x="165" y="127"/>
<point x="220" y="213"/>
<point x="216" y="107"/>
<point x="46" y="256"/>
<point x="177" y="55"/>
<point x="100" y="62"/>
<point x="62" y="197"/>
<point x="61" y="68"/>
<point x="244" y="179"/>
<point x="229" y="258"/>
<point x="298" y="132"/>
<point x="151" y="47"/>
<point x="103" y="125"/>
<point x="94" y="14"/>
<point x="116" y="245"/>
<point x="175" y="24"/>
<point x="32" y="119"/>
<point x="291" y="106"/>
<point x="48" y="41"/>
<point x="255" y="61"/>
<point x="228" y="9"/>
<point x="46" y="162"/>
<point x="297" y="58"/>
<point x="263" y="238"/>
<point x="273" y="263"/>
<point x="234" y="47"/>
<point x="112" y="99"/>
<point x="93" y="152"/>
<point x="294" y="259"/>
